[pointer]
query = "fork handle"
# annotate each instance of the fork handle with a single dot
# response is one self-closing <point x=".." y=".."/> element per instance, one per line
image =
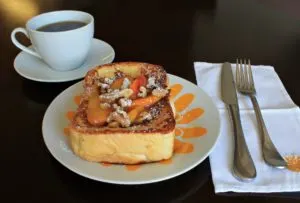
<point x="243" y="166"/>
<point x="269" y="151"/>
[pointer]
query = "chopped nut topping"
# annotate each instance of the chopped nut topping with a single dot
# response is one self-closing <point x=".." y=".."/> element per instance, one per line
<point x="144" y="116"/>
<point x="151" y="82"/>
<point x="142" y="92"/>
<point x="125" y="84"/>
<point x="108" y="80"/>
<point x="119" y="74"/>
<point x="125" y="102"/>
<point x="119" y="116"/>
<point x="103" y="85"/>
<point x="116" y="107"/>
<point x="110" y="96"/>
<point x="160" y="92"/>
<point x="121" y="112"/>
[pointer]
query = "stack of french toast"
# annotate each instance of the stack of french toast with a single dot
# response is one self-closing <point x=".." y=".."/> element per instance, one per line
<point x="125" y="115"/>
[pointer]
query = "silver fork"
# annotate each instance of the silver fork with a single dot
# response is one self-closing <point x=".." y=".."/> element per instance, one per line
<point x="245" y="85"/>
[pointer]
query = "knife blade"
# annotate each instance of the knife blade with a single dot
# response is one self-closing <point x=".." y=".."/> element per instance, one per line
<point x="243" y="165"/>
<point x="227" y="85"/>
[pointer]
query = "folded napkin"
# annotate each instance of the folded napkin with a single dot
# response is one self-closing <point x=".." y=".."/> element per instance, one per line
<point x="282" y="119"/>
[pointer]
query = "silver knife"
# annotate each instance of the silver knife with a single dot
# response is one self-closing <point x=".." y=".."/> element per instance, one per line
<point x="243" y="166"/>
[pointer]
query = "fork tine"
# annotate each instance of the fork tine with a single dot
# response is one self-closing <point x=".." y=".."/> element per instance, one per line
<point x="246" y="74"/>
<point x="242" y="74"/>
<point x="237" y="74"/>
<point x="250" y="76"/>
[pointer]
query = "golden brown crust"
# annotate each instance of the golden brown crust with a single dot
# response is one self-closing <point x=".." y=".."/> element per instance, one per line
<point x="134" y="68"/>
<point x="163" y="122"/>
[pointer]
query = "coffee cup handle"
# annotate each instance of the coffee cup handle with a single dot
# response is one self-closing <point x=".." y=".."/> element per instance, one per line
<point x="19" y="45"/>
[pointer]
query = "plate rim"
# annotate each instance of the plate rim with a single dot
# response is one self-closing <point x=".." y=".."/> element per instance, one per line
<point x="153" y="180"/>
<point x="58" y="80"/>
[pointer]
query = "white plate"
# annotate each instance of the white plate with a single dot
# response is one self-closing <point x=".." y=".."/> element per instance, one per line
<point x="32" y="68"/>
<point x="55" y="120"/>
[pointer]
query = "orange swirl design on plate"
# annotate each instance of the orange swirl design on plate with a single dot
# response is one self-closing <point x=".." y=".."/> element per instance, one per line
<point x="133" y="167"/>
<point x="182" y="131"/>
<point x="77" y="99"/>
<point x="190" y="132"/>
<point x="182" y="147"/>
<point x="66" y="131"/>
<point x="293" y="163"/>
<point x="70" y="115"/>
<point x="105" y="164"/>
<point x="183" y="102"/>
<point x="166" y="161"/>
<point x="174" y="90"/>
<point x="191" y="115"/>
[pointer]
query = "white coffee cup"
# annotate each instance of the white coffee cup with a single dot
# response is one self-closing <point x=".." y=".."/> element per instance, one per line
<point x="64" y="50"/>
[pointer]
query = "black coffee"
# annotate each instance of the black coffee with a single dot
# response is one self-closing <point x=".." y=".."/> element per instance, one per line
<point x="61" y="26"/>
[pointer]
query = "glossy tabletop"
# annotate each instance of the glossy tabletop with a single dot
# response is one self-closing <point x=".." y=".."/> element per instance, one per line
<point x="171" y="33"/>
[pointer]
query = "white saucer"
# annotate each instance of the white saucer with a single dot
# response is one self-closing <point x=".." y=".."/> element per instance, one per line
<point x="33" y="68"/>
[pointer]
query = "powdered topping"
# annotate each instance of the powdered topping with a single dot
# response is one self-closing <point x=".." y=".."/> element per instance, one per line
<point x="142" y="92"/>
<point x="154" y="111"/>
<point x="125" y="102"/>
<point x="126" y="83"/>
<point x="103" y="85"/>
<point x="119" y="116"/>
<point x="119" y="74"/>
<point x="110" y="97"/>
<point x="151" y="83"/>
<point x="108" y="80"/>
<point x="116" y="107"/>
<point x="144" y="116"/>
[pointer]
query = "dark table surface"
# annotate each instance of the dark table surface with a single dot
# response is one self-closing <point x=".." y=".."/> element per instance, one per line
<point x="171" y="33"/>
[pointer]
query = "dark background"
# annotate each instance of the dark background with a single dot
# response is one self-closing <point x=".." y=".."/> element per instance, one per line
<point x="171" y="33"/>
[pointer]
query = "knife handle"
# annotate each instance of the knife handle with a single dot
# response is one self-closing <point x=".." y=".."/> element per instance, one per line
<point x="243" y="166"/>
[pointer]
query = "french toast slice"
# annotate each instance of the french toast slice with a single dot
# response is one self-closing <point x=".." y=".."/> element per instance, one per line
<point x="146" y="141"/>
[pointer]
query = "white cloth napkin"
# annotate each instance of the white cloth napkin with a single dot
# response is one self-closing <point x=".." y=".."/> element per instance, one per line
<point x="281" y="116"/>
